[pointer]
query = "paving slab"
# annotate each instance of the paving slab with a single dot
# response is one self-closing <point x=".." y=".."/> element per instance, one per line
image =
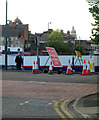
<point x="87" y="106"/>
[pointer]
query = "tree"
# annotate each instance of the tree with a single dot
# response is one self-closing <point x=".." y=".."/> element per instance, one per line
<point x="94" y="9"/>
<point x="56" y="40"/>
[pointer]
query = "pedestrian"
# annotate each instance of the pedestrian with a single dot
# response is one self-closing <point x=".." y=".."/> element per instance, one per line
<point x="18" y="61"/>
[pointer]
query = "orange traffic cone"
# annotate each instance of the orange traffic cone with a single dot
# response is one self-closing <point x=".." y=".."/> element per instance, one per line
<point x="36" y="67"/>
<point x="88" y="68"/>
<point x="84" y="68"/>
<point x="33" y="68"/>
<point x="50" y="68"/>
<point x="68" y="68"/>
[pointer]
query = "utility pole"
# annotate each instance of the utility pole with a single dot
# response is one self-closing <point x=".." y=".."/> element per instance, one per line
<point x="6" y="40"/>
<point x="37" y="45"/>
<point x="48" y="25"/>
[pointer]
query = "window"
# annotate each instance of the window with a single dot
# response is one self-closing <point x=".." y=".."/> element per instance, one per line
<point x="12" y="39"/>
<point x="11" y="45"/>
<point x="16" y="38"/>
<point x="2" y="39"/>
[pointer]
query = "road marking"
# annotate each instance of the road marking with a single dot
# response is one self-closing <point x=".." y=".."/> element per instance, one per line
<point x="48" y="104"/>
<point x="65" y="111"/>
<point x="25" y="102"/>
<point x="36" y="82"/>
<point x="58" y="111"/>
<point x="62" y="106"/>
<point x="21" y="103"/>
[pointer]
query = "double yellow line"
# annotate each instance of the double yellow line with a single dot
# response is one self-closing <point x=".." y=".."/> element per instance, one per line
<point x="62" y="107"/>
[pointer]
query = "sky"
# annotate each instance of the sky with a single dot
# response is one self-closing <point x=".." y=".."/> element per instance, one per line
<point x="63" y="14"/>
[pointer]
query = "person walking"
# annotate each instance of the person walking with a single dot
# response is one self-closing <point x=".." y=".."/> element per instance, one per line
<point x="18" y="61"/>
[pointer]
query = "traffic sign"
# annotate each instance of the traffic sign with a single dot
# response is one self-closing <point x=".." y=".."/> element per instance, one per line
<point x="54" y="57"/>
<point x="37" y="41"/>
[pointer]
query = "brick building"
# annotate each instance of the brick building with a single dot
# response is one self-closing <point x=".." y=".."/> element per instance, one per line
<point x="18" y="34"/>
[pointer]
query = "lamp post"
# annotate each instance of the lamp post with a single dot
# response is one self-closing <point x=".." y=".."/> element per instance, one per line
<point x="6" y="40"/>
<point x="37" y="46"/>
<point x="7" y="35"/>
<point x="48" y="25"/>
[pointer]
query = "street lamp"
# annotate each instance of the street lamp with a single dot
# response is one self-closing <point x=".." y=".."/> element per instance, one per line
<point x="7" y="35"/>
<point x="6" y="40"/>
<point x="37" y="46"/>
<point x="48" y="25"/>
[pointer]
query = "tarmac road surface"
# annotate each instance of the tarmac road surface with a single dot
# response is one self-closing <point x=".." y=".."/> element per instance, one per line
<point x="27" y="95"/>
<point x="28" y="76"/>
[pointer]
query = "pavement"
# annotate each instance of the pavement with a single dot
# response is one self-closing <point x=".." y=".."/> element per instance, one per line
<point x="88" y="106"/>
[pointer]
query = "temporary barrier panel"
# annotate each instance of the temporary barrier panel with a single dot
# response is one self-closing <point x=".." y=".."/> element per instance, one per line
<point x="28" y="61"/>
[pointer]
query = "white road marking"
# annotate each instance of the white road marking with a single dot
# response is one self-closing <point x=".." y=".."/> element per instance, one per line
<point x="25" y="102"/>
<point x="50" y="103"/>
<point x="37" y="82"/>
<point x="21" y="103"/>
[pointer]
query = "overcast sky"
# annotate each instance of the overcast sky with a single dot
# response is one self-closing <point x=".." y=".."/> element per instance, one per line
<point x="63" y="14"/>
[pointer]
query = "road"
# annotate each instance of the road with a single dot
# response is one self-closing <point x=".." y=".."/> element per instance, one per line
<point x="27" y="95"/>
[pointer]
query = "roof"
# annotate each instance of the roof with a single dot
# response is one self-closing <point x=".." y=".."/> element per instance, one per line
<point x="17" y="20"/>
<point x="44" y="36"/>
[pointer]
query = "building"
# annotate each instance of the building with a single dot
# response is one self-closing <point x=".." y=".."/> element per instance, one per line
<point x="73" y="33"/>
<point x="86" y="45"/>
<point x="30" y="45"/>
<point x="18" y="34"/>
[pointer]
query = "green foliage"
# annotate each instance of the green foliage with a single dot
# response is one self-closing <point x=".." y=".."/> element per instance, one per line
<point x="56" y="36"/>
<point x="94" y="9"/>
<point x="56" y="40"/>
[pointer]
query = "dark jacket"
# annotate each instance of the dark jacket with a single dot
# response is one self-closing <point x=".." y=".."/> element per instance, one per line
<point x="19" y="60"/>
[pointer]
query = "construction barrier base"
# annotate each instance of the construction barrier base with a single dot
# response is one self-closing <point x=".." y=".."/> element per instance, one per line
<point x="86" y="74"/>
<point x="37" y="73"/>
<point x="50" y="73"/>
<point x="34" y="72"/>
